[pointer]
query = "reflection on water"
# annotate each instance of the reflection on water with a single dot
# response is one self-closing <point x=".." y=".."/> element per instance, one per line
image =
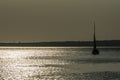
<point x="61" y="63"/>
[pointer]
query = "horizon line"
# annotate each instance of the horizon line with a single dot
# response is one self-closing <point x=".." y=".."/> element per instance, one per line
<point x="56" y="41"/>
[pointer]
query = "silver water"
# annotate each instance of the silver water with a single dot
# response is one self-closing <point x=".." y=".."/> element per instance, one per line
<point x="59" y="63"/>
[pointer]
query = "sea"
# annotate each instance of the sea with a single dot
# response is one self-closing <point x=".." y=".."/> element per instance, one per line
<point x="59" y="63"/>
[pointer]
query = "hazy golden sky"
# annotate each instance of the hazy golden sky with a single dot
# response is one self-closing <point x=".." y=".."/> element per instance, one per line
<point x="56" y="20"/>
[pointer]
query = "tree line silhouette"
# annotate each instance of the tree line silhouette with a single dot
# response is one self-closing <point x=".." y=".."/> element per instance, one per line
<point x="65" y="43"/>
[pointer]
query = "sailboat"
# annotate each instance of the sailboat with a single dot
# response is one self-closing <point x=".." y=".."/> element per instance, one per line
<point x="95" y="51"/>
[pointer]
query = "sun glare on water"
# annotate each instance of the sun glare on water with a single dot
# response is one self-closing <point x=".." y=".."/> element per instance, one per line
<point x="13" y="53"/>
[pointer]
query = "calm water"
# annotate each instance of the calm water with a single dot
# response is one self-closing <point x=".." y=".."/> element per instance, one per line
<point x="59" y="63"/>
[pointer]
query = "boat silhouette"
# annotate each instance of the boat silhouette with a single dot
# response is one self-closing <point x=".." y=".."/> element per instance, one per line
<point x="95" y="51"/>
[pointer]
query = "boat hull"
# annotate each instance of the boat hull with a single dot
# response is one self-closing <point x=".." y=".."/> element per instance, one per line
<point x="95" y="52"/>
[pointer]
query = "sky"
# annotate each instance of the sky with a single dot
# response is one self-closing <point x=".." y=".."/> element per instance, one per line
<point x="58" y="20"/>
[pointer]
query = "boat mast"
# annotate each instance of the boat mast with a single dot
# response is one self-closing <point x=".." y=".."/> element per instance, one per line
<point x="94" y="37"/>
<point x="95" y="50"/>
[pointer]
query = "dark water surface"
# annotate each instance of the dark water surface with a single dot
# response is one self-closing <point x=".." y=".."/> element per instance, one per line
<point x="59" y="63"/>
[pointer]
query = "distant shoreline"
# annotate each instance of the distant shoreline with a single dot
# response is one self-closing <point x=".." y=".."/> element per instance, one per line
<point x="64" y="44"/>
